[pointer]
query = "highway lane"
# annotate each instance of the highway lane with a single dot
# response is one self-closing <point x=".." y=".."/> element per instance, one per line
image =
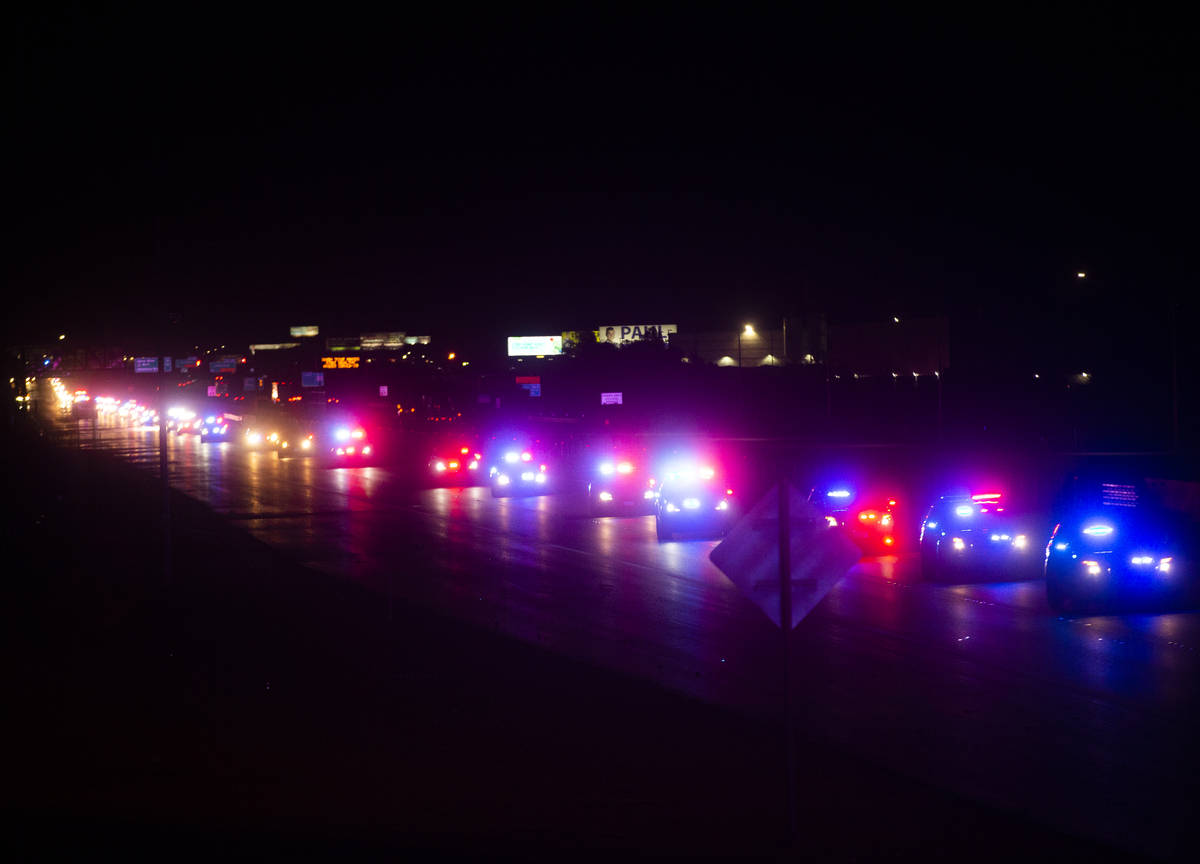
<point x="1084" y="722"/>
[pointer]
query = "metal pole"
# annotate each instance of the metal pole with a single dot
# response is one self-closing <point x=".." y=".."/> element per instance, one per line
<point x="1174" y="376"/>
<point x="739" y="349"/>
<point x="166" y="482"/>
<point x="785" y="623"/>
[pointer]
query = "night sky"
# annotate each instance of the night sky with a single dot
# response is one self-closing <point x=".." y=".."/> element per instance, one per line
<point x="507" y="173"/>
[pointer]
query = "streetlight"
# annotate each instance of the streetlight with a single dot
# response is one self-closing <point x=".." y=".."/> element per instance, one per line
<point x="62" y="336"/>
<point x="747" y="331"/>
<point x="1081" y="275"/>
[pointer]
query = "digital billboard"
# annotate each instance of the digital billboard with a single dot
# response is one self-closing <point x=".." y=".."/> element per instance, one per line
<point x="534" y="346"/>
<point x="339" y="362"/>
<point x="304" y="330"/>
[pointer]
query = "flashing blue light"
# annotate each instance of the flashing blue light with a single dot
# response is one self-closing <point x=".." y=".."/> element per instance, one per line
<point x="964" y="510"/>
<point x="606" y="468"/>
<point x="838" y="493"/>
<point x="1098" y="530"/>
<point x="342" y="434"/>
<point x="210" y="419"/>
<point x="511" y="456"/>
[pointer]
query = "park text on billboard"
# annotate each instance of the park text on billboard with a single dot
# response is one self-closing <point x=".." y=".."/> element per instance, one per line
<point x="617" y="334"/>
<point x="534" y="346"/>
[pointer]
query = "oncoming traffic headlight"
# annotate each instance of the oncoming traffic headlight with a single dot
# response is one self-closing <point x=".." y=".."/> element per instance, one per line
<point x="511" y="456"/>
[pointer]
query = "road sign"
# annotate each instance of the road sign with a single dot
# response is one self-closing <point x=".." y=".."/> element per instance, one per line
<point x="819" y="555"/>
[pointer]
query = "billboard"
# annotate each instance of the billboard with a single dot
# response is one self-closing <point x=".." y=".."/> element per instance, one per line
<point x="611" y="399"/>
<point x="534" y="346"/>
<point x="312" y="379"/>
<point x="618" y="334"/>
<point x="145" y="364"/>
<point x="384" y="341"/>
<point x="339" y="362"/>
<point x="303" y="330"/>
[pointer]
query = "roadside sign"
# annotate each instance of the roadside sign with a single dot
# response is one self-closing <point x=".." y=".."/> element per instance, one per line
<point x="145" y="364"/>
<point x="819" y="555"/>
<point x="383" y="389"/>
<point x="611" y="398"/>
<point x="531" y="383"/>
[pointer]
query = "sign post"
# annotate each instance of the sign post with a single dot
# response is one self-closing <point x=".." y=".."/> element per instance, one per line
<point x="785" y="558"/>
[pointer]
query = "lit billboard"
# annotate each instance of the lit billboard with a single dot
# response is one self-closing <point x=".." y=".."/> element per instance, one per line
<point x="339" y="362"/>
<point x="303" y="331"/>
<point x="535" y="346"/>
<point x="618" y="334"/>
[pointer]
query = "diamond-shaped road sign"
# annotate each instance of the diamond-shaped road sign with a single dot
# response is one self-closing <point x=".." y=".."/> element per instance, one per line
<point x="820" y="555"/>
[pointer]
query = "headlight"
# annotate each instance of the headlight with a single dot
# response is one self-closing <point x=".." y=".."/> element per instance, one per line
<point x="527" y="476"/>
<point x="1020" y="541"/>
<point x="1092" y="567"/>
<point x="648" y="494"/>
<point x="439" y="466"/>
<point x="691" y="503"/>
<point x="502" y="480"/>
<point x="723" y="505"/>
<point x="306" y="443"/>
<point x="671" y="508"/>
<point x="1164" y="565"/>
<point x="472" y="465"/>
<point x="541" y="478"/>
<point x="958" y="544"/>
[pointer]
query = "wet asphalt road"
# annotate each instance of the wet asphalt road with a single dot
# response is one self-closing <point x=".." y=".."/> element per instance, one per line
<point x="1086" y="723"/>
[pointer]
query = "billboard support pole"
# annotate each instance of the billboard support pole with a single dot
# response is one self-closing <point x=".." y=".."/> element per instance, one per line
<point x="785" y="621"/>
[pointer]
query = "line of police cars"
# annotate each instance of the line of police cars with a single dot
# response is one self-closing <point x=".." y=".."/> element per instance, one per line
<point x="1104" y="542"/>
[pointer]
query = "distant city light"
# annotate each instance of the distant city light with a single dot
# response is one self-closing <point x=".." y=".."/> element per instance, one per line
<point x="62" y="336"/>
<point x="1081" y="275"/>
<point x="895" y="320"/>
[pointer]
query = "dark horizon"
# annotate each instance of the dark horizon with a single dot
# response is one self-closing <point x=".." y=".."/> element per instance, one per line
<point x="530" y="175"/>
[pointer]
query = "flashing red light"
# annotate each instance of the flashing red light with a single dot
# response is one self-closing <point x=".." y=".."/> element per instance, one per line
<point x="986" y="496"/>
<point x="454" y="465"/>
<point x="728" y="491"/>
<point x="465" y="451"/>
<point x="891" y="502"/>
<point x="888" y="541"/>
